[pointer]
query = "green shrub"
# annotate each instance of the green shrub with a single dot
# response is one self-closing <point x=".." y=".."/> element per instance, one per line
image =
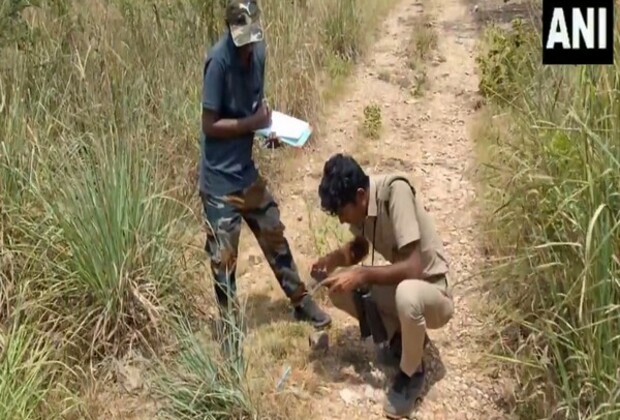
<point x="504" y="60"/>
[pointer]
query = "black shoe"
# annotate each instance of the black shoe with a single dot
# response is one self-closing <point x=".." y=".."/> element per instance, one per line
<point x="307" y="310"/>
<point x="403" y="394"/>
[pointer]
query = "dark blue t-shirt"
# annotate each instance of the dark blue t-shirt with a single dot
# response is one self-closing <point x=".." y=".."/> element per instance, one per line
<point x="231" y="91"/>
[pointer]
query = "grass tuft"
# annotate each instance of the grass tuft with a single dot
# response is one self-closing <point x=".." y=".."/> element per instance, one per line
<point x="199" y="384"/>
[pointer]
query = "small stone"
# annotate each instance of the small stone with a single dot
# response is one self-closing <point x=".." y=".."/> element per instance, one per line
<point x="372" y="394"/>
<point x="319" y="341"/>
<point x="129" y="377"/>
<point x="349" y="396"/>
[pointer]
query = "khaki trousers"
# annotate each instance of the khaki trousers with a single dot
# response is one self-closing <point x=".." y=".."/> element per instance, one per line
<point x="410" y="308"/>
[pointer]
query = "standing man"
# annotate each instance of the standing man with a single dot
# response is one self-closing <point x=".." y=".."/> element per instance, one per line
<point x="233" y="107"/>
<point x="411" y="293"/>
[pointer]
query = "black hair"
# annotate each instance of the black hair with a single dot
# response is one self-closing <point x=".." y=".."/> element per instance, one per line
<point x="342" y="177"/>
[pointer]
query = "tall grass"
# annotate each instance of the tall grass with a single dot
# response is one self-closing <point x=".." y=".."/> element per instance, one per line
<point x="551" y="148"/>
<point x="99" y="124"/>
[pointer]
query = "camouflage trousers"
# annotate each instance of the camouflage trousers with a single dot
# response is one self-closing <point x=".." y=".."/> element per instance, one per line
<point x="223" y="216"/>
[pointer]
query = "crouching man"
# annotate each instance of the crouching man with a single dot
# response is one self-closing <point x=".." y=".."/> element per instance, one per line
<point x="412" y="292"/>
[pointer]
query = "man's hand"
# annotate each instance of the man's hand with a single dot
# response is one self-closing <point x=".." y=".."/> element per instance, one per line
<point x="323" y="267"/>
<point x="345" y="281"/>
<point x="262" y="116"/>
<point x="272" y="142"/>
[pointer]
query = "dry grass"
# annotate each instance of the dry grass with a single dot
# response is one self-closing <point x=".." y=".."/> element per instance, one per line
<point x="419" y="51"/>
<point x="422" y="43"/>
<point x="99" y="142"/>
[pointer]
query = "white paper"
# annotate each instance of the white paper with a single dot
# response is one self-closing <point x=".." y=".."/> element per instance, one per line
<point x="285" y="126"/>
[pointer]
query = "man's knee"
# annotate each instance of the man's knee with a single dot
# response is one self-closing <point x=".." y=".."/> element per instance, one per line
<point x="337" y="299"/>
<point x="344" y="302"/>
<point x="269" y="229"/>
<point x="408" y="301"/>
<point x="222" y="242"/>
<point x="418" y="299"/>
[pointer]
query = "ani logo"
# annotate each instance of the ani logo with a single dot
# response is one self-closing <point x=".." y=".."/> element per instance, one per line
<point x="578" y="31"/>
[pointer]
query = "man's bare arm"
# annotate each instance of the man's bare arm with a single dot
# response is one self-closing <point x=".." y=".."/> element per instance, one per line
<point x="352" y="253"/>
<point x="409" y="268"/>
<point x="213" y="126"/>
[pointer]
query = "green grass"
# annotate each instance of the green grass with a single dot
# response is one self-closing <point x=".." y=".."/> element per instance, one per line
<point x="99" y="124"/>
<point x="199" y="384"/>
<point x="550" y="145"/>
<point x="27" y="372"/>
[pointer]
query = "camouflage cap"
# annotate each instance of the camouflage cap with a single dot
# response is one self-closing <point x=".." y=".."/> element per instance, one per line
<point x="243" y="17"/>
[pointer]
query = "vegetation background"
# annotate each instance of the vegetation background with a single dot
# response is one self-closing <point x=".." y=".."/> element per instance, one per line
<point x="550" y="145"/>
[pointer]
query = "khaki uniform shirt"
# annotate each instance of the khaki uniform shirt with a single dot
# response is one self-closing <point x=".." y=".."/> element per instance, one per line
<point x="407" y="222"/>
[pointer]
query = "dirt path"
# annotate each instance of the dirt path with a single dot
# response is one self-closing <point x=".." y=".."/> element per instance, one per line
<point x="426" y="138"/>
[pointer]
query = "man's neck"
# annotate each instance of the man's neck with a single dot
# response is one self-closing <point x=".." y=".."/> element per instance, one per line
<point x="245" y="58"/>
